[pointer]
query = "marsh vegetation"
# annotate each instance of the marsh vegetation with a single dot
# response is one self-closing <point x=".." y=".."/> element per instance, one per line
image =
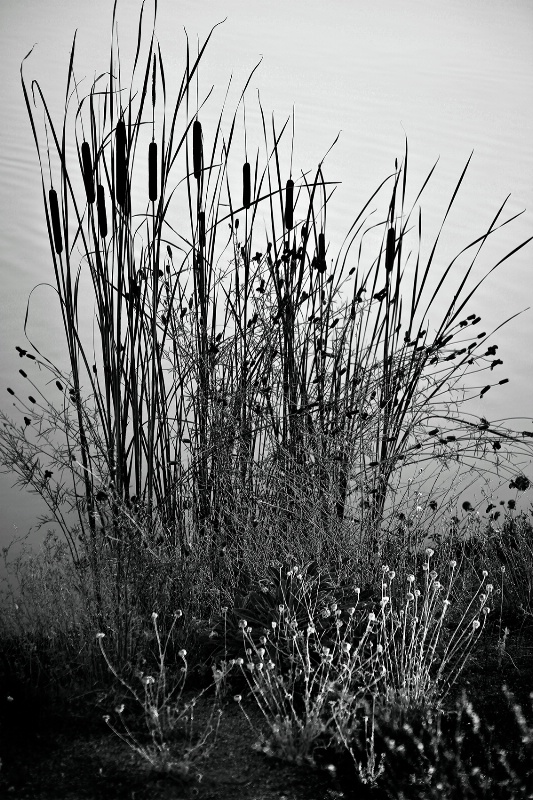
<point x="254" y="440"/>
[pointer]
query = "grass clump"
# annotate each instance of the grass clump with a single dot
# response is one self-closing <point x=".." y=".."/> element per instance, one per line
<point x="167" y="716"/>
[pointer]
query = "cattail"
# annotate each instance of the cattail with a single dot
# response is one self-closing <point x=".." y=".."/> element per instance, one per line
<point x="120" y="163"/>
<point x="152" y="171"/>
<point x="56" y="225"/>
<point x="289" y="203"/>
<point x="87" y="171"/>
<point x="321" y="246"/>
<point x="321" y="262"/>
<point x="197" y="149"/>
<point x="246" y="188"/>
<point x="102" y="216"/>
<point x="389" y="254"/>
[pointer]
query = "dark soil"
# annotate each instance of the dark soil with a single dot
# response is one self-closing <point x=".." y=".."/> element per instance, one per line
<point x="69" y="753"/>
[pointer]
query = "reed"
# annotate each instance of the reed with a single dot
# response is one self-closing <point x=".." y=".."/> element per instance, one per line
<point x="234" y="415"/>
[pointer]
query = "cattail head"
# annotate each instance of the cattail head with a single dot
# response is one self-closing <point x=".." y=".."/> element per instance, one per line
<point x="197" y="149"/>
<point x="87" y="171"/>
<point x="120" y="163"/>
<point x="289" y="204"/>
<point x="102" y="216"/>
<point x="56" y="223"/>
<point x="246" y="185"/>
<point x="152" y="171"/>
<point x="389" y="254"/>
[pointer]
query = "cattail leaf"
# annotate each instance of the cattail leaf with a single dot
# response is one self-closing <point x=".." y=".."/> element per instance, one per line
<point x="102" y="215"/>
<point x="152" y="171"/>
<point x="197" y="149"/>
<point x="120" y="163"/>
<point x="246" y="185"/>
<point x="87" y="172"/>
<point x="56" y="224"/>
<point x="289" y="204"/>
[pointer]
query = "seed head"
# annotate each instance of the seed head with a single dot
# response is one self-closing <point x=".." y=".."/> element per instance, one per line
<point x="182" y="653"/>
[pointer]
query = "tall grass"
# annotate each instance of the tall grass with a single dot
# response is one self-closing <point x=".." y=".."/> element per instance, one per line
<point x="249" y="396"/>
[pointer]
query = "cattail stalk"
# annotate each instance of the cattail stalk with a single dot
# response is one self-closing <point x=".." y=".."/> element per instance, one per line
<point x="201" y="228"/>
